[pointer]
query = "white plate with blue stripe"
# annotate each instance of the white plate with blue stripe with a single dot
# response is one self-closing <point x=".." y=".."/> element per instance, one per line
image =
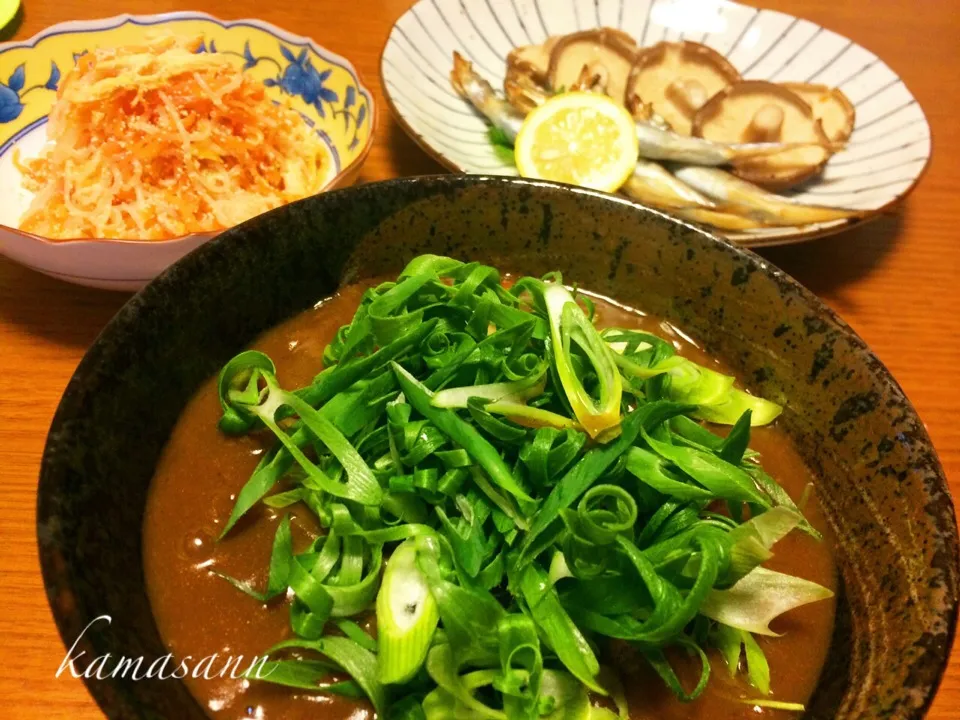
<point x="881" y="163"/>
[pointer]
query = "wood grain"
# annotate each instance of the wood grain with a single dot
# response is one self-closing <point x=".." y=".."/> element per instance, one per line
<point x="896" y="282"/>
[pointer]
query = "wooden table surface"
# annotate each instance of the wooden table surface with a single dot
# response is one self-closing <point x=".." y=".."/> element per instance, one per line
<point x="896" y="282"/>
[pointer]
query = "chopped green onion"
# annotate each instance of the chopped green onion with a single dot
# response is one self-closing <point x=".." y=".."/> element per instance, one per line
<point x="569" y="327"/>
<point x="517" y="391"/>
<point x="457" y="692"/>
<point x="758" y="669"/>
<point x="774" y="704"/>
<point x="566" y="698"/>
<point x="407" y="616"/>
<point x="521" y="665"/>
<point x="728" y="409"/>
<point x="462" y="433"/>
<point x="347" y="655"/>
<point x="562" y="634"/>
<point x="550" y="486"/>
<point x="357" y="634"/>
<point x="758" y="598"/>
<point x="751" y="541"/>
<point x="303" y="675"/>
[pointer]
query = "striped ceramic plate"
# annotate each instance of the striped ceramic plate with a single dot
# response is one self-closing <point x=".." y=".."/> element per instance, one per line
<point x="886" y="155"/>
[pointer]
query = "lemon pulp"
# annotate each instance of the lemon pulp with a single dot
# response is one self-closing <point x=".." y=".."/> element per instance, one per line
<point x="583" y="139"/>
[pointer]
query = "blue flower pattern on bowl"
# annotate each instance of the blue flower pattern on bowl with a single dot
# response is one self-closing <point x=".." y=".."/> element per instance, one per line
<point x="12" y="92"/>
<point x="300" y="78"/>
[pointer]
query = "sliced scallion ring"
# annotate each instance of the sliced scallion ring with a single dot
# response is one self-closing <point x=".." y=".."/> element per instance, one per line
<point x="407" y="616"/>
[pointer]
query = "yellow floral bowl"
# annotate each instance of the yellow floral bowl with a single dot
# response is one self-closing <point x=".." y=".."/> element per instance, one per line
<point x="322" y="86"/>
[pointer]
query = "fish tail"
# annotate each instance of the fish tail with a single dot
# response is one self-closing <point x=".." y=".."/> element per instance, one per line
<point x="778" y="211"/>
<point x="718" y="218"/>
<point x="461" y="73"/>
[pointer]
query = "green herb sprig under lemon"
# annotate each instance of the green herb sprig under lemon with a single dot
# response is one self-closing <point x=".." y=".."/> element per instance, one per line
<point x="509" y="488"/>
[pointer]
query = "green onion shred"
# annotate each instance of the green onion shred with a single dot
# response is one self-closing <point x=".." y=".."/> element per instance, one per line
<point x="510" y="490"/>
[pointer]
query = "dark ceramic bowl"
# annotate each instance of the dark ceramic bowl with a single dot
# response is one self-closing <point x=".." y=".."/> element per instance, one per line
<point x="878" y="476"/>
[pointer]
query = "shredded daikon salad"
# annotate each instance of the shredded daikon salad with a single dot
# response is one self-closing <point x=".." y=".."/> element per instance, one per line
<point x="156" y="141"/>
<point x="510" y="489"/>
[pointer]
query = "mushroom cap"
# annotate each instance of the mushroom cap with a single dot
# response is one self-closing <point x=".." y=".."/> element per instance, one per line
<point x="675" y="79"/>
<point x="784" y="170"/>
<point x="605" y="51"/>
<point x="729" y="115"/>
<point x="830" y="106"/>
<point x="760" y="111"/>
<point x="523" y="92"/>
<point x="531" y="62"/>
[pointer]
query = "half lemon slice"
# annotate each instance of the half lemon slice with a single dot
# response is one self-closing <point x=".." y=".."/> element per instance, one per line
<point x="579" y="138"/>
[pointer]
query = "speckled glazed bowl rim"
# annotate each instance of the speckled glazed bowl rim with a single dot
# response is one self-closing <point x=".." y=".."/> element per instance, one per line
<point x="342" y="177"/>
<point x="168" y="281"/>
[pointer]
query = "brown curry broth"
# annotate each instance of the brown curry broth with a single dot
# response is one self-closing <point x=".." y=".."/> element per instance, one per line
<point x="199" y="614"/>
